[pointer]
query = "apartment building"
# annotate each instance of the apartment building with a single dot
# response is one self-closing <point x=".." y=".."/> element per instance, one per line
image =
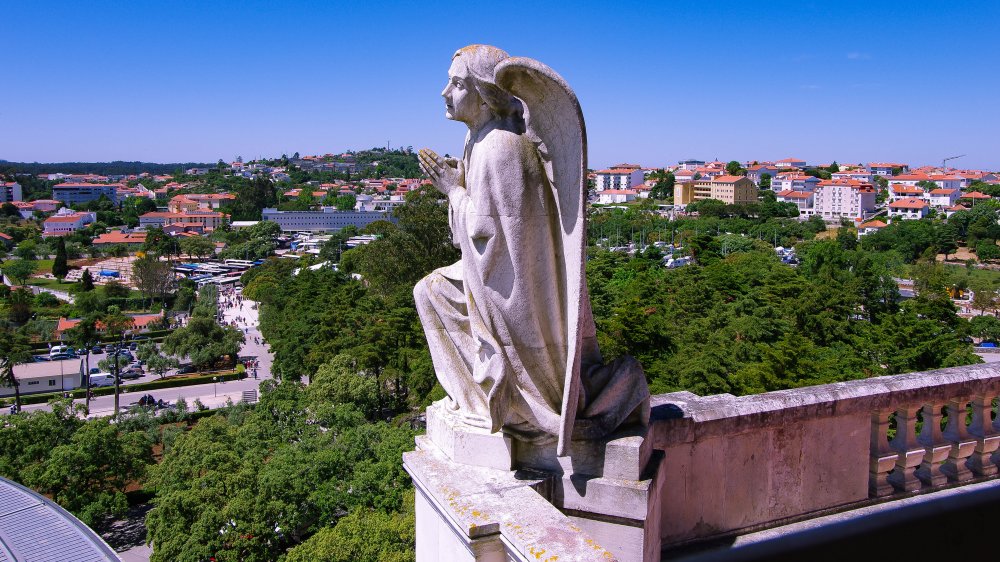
<point x="329" y="219"/>
<point x="10" y="192"/>
<point x="206" y="220"/>
<point x="65" y="222"/>
<point x="849" y="199"/>
<point x="618" y="178"/>
<point x="74" y="193"/>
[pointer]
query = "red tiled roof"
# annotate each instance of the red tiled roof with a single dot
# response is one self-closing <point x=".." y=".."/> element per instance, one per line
<point x="118" y="237"/>
<point x="873" y="224"/>
<point x="975" y="195"/>
<point x="908" y="203"/>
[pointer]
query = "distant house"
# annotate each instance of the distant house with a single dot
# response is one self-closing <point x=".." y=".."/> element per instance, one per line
<point x="794" y="180"/>
<point x="975" y="196"/>
<point x="856" y="175"/>
<point x="199" y="202"/>
<point x="804" y="201"/>
<point x="790" y="163"/>
<point x="885" y="169"/>
<point x="131" y="239"/>
<point x="908" y="208"/>
<point x="615" y="196"/>
<point x="205" y="219"/>
<point x="754" y="173"/>
<point x="870" y="227"/>
<point x="64" y="223"/>
<point x="943" y="197"/>
<point x="140" y="323"/>
<point x="733" y="189"/>
<point x="901" y="191"/>
<point x="10" y="192"/>
<point x="684" y="175"/>
<point x="618" y="179"/>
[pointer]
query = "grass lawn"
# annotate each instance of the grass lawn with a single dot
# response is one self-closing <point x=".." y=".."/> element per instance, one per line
<point x="51" y="284"/>
<point x="975" y="275"/>
<point x="44" y="266"/>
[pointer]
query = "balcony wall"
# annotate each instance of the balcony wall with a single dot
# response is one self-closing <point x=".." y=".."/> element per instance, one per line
<point x="736" y="464"/>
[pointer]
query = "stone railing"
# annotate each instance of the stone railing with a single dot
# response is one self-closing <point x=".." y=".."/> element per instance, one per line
<point x="707" y="468"/>
<point x="737" y="464"/>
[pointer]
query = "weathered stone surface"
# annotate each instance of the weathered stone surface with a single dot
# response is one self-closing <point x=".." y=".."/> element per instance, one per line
<point x="509" y="326"/>
<point x="468" y="511"/>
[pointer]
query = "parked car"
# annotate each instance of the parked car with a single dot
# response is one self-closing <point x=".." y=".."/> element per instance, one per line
<point x="132" y="372"/>
<point x="102" y="379"/>
<point x="97" y="349"/>
<point x="94" y="370"/>
<point x="185" y="369"/>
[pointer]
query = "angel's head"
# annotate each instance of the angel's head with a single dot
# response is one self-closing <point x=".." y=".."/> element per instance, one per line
<point x="471" y="95"/>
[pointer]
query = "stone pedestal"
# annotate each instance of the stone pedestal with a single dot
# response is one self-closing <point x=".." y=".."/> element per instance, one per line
<point x="476" y="488"/>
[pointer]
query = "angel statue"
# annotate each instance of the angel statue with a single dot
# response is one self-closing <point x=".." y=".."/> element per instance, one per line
<point x="509" y="326"/>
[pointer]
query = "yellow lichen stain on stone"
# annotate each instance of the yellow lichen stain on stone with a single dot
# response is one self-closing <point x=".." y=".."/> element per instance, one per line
<point x="537" y="553"/>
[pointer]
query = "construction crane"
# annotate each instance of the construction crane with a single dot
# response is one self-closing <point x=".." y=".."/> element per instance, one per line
<point x="949" y="158"/>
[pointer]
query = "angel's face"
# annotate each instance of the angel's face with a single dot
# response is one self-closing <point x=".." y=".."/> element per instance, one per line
<point x="461" y="100"/>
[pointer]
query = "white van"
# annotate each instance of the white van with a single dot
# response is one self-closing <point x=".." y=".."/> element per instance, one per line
<point x="58" y="350"/>
<point x="102" y="379"/>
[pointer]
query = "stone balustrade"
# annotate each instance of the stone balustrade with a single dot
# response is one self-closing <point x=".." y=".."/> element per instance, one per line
<point x="738" y="464"/>
<point x="708" y="468"/>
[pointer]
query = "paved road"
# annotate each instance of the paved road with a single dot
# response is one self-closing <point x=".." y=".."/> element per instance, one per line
<point x="244" y="316"/>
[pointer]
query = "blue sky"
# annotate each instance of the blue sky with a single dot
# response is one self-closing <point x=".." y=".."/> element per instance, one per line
<point x="658" y="81"/>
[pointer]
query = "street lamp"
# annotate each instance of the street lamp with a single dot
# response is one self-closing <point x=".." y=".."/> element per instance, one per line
<point x="215" y="380"/>
<point x="118" y="368"/>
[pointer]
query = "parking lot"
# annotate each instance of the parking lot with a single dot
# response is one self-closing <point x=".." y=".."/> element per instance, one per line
<point x="241" y="312"/>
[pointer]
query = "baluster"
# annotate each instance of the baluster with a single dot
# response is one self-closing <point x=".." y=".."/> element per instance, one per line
<point x="962" y="446"/>
<point x="882" y="459"/>
<point x="987" y="439"/>
<point x="911" y="453"/>
<point x="936" y="449"/>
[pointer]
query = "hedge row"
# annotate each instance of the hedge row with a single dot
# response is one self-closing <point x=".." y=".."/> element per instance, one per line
<point x="171" y="382"/>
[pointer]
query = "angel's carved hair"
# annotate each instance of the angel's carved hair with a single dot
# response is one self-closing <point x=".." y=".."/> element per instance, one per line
<point x="481" y="62"/>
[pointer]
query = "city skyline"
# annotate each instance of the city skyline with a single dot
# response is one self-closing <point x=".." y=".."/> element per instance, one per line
<point x="183" y="82"/>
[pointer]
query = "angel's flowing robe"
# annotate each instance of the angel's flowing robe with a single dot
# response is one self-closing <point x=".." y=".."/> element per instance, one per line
<point x="496" y="321"/>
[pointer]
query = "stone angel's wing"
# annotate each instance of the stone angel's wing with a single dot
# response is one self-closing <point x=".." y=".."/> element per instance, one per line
<point x="554" y="121"/>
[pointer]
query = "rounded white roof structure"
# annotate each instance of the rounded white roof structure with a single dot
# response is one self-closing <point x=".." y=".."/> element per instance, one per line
<point x="33" y="527"/>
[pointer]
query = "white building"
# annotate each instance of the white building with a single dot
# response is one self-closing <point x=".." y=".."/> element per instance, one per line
<point x="870" y="227"/>
<point x="885" y="169"/>
<point x="909" y="208"/>
<point x="615" y="196"/>
<point x="803" y="200"/>
<point x="856" y="175"/>
<point x="943" y="198"/>
<point x="66" y="221"/>
<point x="790" y="163"/>
<point x="844" y="199"/>
<point x="618" y="178"/>
<point x="901" y="191"/>
<point x="794" y="180"/>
